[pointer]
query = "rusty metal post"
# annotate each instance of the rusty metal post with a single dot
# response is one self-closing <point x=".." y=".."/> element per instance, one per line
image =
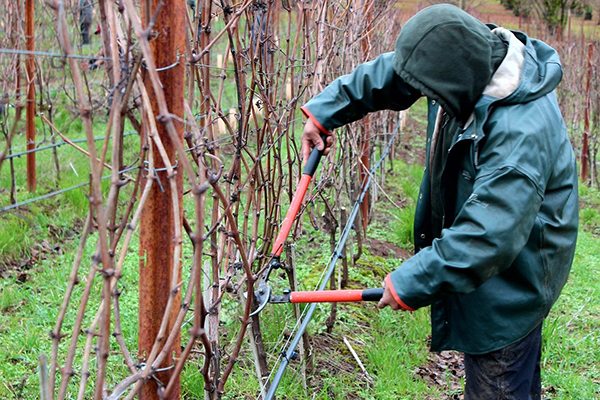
<point x="157" y="236"/>
<point x="30" y="110"/>
<point x="585" y="148"/>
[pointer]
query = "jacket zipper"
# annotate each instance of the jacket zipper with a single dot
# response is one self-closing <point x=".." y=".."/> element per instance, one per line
<point x="445" y="120"/>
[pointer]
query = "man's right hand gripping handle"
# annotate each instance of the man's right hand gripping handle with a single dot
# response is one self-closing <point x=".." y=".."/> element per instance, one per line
<point x="312" y="137"/>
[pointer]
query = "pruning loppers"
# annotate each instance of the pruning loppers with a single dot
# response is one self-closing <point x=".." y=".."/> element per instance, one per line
<point x="327" y="296"/>
<point x="264" y="294"/>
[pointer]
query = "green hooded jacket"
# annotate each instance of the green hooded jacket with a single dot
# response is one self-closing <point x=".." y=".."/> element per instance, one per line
<point x="497" y="214"/>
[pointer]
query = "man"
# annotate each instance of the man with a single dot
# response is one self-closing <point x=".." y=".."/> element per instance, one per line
<point x="497" y="215"/>
<point x="85" y="20"/>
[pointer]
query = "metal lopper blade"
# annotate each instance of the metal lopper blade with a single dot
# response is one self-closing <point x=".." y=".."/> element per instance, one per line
<point x="262" y="295"/>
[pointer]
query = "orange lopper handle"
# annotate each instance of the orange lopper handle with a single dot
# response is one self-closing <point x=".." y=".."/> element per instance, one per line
<point x="335" y="296"/>
<point x="288" y="221"/>
<point x="309" y="170"/>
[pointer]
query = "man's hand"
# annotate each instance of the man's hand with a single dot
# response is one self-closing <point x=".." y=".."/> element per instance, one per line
<point x="388" y="300"/>
<point x="312" y="138"/>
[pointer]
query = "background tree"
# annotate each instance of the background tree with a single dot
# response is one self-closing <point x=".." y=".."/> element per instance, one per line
<point x="553" y="13"/>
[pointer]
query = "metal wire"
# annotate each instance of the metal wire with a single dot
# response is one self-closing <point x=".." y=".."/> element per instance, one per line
<point x="52" y="194"/>
<point x="57" y="55"/>
<point x="60" y="144"/>
<point x="307" y="313"/>
<point x="168" y="66"/>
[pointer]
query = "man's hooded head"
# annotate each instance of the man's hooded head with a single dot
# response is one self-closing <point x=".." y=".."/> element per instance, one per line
<point x="449" y="56"/>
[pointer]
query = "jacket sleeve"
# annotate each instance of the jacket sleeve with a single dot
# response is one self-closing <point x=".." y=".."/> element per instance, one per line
<point x="372" y="86"/>
<point x="493" y="225"/>
<point x="486" y="237"/>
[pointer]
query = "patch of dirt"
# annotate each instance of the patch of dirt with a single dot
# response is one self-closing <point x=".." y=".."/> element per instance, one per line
<point x="386" y="250"/>
<point x="21" y="267"/>
<point x="46" y="248"/>
<point x="414" y="132"/>
<point x="444" y="370"/>
<point x="338" y="361"/>
<point x="327" y="344"/>
<point x="550" y="391"/>
<point x="17" y="388"/>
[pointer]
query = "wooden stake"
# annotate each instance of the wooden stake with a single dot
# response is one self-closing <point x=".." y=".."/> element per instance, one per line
<point x="585" y="148"/>
<point x="45" y="393"/>
<point x="332" y="225"/>
<point x="232" y="119"/>
<point x="288" y="90"/>
<point x="304" y="345"/>
<point x="366" y="136"/>
<point x="221" y="126"/>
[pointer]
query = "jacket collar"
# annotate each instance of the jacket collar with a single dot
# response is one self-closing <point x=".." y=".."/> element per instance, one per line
<point x="508" y="75"/>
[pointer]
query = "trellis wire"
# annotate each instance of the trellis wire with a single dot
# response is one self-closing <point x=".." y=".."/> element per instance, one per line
<point x="57" y="192"/>
<point x="286" y="355"/>
<point x="55" y="55"/>
<point x="96" y="139"/>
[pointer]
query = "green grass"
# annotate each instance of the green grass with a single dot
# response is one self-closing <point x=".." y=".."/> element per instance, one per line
<point x="407" y="179"/>
<point x="29" y="312"/>
<point x="571" y="347"/>
<point x="391" y="345"/>
<point x="589" y="214"/>
<point x="48" y="219"/>
<point x="37" y="246"/>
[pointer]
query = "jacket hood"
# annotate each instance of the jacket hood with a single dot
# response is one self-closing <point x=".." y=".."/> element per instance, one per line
<point x="449" y="56"/>
<point x="540" y="69"/>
